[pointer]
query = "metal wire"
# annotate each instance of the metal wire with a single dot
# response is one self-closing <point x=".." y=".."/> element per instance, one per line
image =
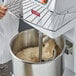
<point x="14" y="7"/>
<point x="40" y="46"/>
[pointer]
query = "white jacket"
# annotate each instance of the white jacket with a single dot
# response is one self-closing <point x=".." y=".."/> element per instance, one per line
<point x="8" y="28"/>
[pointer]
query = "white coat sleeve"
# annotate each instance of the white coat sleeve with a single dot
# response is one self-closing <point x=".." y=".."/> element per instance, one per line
<point x="1" y="28"/>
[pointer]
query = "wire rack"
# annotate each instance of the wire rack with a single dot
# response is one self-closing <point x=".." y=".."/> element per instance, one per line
<point x="36" y="14"/>
<point x="14" y="7"/>
<point x="48" y="20"/>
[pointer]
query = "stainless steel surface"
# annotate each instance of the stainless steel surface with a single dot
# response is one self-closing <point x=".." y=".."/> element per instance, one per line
<point x="40" y="46"/>
<point x="53" y="21"/>
<point x="68" y="72"/>
<point x="24" y="68"/>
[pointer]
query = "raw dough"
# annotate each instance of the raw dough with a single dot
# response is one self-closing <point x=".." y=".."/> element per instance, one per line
<point x="31" y="54"/>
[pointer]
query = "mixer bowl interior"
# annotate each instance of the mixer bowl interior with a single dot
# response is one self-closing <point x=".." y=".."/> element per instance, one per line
<point x="30" y="38"/>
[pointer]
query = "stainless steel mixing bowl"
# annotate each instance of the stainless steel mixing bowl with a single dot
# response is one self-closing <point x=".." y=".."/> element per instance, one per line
<point x="29" y="38"/>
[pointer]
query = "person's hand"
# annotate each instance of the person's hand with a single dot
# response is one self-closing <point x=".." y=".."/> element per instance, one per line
<point x="3" y="11"/>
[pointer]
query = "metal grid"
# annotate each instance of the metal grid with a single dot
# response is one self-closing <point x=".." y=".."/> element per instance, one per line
<point x="48" y="20"/>
<point x="14" y="6"/>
